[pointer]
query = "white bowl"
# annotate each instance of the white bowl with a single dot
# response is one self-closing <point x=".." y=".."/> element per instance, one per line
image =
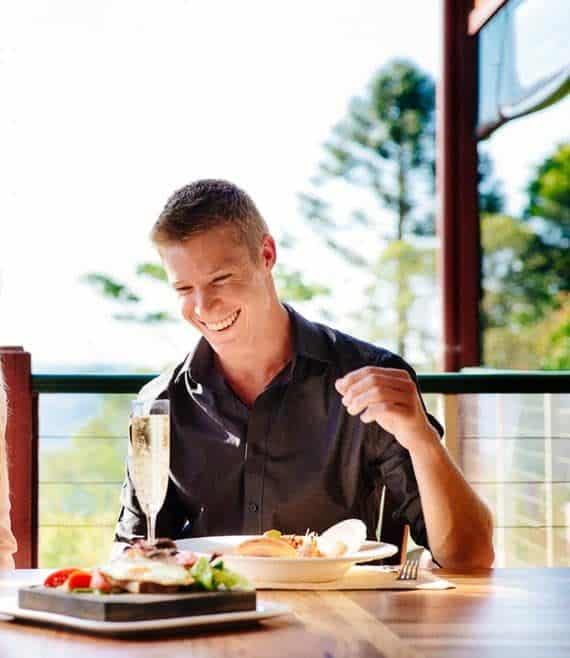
<point x="261" y="570"/>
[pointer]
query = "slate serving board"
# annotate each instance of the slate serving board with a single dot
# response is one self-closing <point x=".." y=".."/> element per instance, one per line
<point x="134" y="607"/>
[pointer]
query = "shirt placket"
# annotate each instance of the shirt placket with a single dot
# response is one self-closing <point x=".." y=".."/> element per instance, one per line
<point x="254" y="464"/>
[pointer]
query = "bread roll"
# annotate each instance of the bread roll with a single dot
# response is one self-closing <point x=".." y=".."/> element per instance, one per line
<point x="266" y="547"/>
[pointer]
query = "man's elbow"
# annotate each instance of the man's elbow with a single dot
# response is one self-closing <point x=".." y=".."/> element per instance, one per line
<point x="472" y="551"/>
<point x="483" y="557"/>
<point x="486" y="549"/>
<point x="480" y="555"/>
<point x="489" y="556"/>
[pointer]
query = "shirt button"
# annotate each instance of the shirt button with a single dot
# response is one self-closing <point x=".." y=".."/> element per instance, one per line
<point x="253" y="507"/>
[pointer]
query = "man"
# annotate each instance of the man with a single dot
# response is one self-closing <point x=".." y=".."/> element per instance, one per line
<point x="278" y="422"/>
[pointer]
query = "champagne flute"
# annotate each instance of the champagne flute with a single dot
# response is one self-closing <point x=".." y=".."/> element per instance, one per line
<point x="149" y="457"/>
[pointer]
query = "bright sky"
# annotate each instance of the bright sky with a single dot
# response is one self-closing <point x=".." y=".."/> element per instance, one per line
<point x="109" y="106"/>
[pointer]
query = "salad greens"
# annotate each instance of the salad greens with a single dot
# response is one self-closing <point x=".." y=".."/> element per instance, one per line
<point x="214" y="575"/>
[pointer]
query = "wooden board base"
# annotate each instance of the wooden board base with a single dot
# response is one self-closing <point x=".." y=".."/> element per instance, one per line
<point x="134" y="607"/>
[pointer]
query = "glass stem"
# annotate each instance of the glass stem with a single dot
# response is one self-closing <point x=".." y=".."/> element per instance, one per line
<point x="151" y="527"/>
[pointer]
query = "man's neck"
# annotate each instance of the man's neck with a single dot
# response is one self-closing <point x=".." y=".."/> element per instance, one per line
<point x="250" y="371"/>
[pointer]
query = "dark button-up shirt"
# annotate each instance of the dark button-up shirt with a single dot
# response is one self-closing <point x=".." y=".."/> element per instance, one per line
<point x="295" y="460"/>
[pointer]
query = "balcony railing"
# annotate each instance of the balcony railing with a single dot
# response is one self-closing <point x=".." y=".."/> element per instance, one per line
<point x="483" y="381"/>
<point x="508" y="431"/>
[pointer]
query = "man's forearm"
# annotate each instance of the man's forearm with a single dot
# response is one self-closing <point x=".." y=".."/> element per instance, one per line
<point x="459" y="525"/>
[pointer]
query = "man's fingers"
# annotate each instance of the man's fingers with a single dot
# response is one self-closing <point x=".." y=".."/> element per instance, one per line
<point x="340" y="386"/>
<point x="375" y="396"/>
<point x="380" y="382"/>
<point x="344" y="383"/>
<point x="375" y="412"/>
<point x="357" y="381"/>
<point x="398" y="372"/>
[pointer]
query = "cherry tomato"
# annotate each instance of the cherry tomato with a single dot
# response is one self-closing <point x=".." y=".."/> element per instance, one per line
<point x="58" y="578"/>
<point x="78" y="580"/>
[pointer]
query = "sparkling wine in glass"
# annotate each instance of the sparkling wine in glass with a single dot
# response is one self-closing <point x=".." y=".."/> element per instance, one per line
<point x="149" y="457"/>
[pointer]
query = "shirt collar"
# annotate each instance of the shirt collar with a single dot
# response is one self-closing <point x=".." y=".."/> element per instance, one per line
<point x="197" y="363"/>
<point x="310" y="340"/>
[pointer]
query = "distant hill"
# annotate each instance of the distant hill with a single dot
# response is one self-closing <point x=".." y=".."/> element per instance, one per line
<point x="55" y="368"/>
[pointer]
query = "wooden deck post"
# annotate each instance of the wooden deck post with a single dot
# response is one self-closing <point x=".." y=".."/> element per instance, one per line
<point x="458" y="215"/>
<point x="22" y="445"/>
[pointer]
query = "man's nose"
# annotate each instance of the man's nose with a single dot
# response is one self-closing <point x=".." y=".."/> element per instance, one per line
<point x="202" y="303"/>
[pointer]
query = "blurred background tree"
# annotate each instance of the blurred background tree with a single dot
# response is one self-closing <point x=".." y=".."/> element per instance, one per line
<point x="526" y="274"/>
<point x="385" y="146"/>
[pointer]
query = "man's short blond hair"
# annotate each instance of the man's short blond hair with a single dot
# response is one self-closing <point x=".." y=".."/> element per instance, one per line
<point x="207" y="204"/>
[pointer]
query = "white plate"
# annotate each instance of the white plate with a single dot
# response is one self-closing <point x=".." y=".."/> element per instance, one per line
<point x="285" y="570"/>
<point x="265" y="610"/>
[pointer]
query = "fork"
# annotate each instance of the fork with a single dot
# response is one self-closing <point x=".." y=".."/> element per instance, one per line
<point x="409" y="570"/>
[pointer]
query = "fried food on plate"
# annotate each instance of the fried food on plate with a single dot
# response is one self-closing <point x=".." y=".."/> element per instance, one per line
<point x="338" y="540"/>
<point x="266" y="547"/>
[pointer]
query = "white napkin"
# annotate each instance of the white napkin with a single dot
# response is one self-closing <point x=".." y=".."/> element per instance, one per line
<point x="368" y="577"/>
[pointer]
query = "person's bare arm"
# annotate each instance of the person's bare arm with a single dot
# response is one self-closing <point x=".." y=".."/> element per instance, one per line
<point x="458" y="523"/>
<point x="8" y="544"/>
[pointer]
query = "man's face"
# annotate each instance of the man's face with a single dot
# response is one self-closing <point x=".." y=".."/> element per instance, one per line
<point x="222" y="291"/>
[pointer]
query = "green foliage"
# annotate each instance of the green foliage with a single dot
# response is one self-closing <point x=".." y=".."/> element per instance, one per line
<point x="154" y="317"/>
<point x="387" y="136"/>
<point x="152" y="270"/>
<point x="80" y="489"/>
<point x="489" y="188"/>
<point x="292" y="287"/>
<point x="548" y="212"/>
<point x="382" y="322"/>
<point x="526" y="268"/>
<point x="544" y="345"/>
<point x="549" y="192"/>
<point x="110" y="288"/>
<point x="554" y="337"/>
<point x="505" y="241"/>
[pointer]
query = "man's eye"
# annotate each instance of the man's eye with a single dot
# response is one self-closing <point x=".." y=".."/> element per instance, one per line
<point x="222" y="279"/>
<point x="184" y="291"/>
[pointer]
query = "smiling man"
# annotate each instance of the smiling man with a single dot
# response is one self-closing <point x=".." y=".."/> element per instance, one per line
<point x="278" y="422"/>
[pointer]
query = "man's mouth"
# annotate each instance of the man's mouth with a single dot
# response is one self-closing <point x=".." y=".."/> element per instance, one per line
<point x="223" y="324"/>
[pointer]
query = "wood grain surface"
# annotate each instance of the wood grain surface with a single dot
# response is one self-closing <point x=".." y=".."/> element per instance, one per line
<point x="500" y="613"/>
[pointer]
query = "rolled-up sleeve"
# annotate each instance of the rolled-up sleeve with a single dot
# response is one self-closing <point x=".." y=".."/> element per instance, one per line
<point x="394" y="465"/>
<point x="131" y="524"/>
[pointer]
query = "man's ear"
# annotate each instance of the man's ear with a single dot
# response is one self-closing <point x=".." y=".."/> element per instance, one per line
<point x="268" y="251"/>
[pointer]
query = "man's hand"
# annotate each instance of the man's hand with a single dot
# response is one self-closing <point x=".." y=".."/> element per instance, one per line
<point x="388" y="396"/>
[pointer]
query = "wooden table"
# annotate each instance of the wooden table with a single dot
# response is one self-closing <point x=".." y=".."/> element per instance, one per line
<point x="492" y="613"/>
